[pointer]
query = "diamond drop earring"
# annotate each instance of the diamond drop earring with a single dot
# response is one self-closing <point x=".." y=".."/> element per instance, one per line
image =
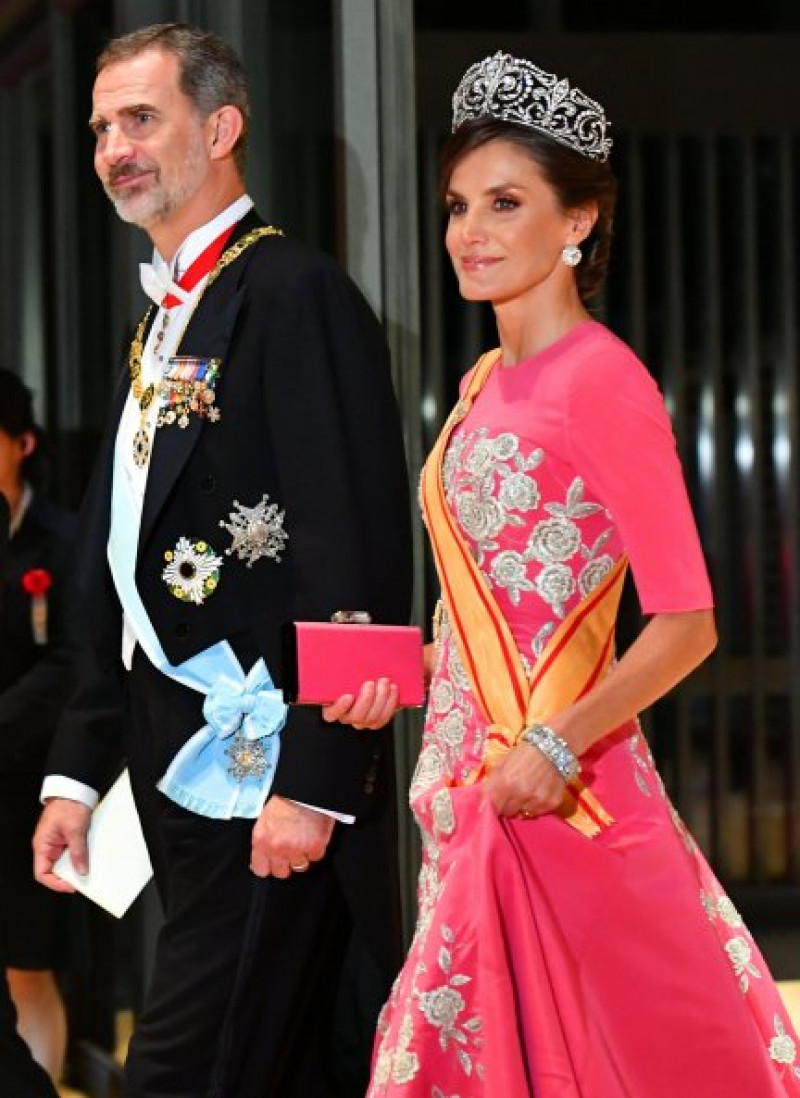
<point x="572" y="255"/>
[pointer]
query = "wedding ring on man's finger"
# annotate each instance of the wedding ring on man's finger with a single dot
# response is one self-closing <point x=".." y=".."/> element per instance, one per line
<point x="300" y="868"/>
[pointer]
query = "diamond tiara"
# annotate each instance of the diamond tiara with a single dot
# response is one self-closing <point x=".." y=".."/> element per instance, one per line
<point x="512" y="89"/>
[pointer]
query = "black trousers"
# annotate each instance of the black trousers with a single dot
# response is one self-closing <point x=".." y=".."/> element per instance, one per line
<point x="20" y="1075"/>
<point x="244" y="990"/>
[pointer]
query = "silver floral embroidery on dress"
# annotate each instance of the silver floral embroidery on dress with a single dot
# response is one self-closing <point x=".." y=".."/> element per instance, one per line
<point x="442" y="696"/>
<point x="481" y="518"/>
<point x="741" y="955"/>
<point x="442" y="1005"/>
<point x="539" y="642"/>
<point x="453" y="729"/>
<point x="456" y="669"/>
<point x="443" y="814"/>
<point x="709" y="904"/>
<point x="490" y="485"/>
<point x="594" y="573"/>
<point x="452" y="460"/>
<point x="554" y="541"/>
<point x="683" y="831"/>
<point x="519" y="492"/>
<point x="741" y="952"/>
<point x="726" y="909"/>
<point x="429" y="885"/>
<point x="398" y="1064"/>
<point x="450" y="714"/>
<point x="429" y="771"/>
<point x="739" y="946"/>
<point x="556" y="585"/>
<point x="644" y="769"/>
<point x="396" y="1061"/>
<point x="782" y="1048"/>
<point x="509" y="569"/>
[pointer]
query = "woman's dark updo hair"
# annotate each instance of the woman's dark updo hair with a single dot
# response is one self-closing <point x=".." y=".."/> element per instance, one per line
<point x="576" y="179"/>
<point x="16" y="418"/>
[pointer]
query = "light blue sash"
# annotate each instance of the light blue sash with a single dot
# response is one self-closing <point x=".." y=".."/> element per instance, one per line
<point x="227" y="767"/>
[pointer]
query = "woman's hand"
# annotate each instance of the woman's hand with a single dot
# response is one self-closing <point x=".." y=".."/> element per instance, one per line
<point x="373" y="706"/>
<point x="428" y="662"/>
<point x="667" y="649"/>
<point x="525" y="784"/>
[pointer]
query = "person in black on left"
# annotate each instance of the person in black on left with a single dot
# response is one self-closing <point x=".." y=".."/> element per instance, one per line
<point x="22" y="1076"/>
<point x="39" y="654"/>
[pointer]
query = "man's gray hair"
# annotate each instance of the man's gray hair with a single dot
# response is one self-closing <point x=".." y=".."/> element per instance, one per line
<point x="211" y="72"/>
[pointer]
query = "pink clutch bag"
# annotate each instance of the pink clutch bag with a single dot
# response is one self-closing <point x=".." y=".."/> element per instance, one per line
<point x="323" y="660"/>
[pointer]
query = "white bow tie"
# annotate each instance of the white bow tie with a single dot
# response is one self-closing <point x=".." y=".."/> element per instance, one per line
<point x="156" y="283"/>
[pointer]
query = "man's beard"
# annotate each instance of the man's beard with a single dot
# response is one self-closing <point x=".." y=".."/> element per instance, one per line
<point x="157" y="201"/>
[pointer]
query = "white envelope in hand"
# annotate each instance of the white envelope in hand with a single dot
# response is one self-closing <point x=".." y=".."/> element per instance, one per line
<point x="119" y="865"/>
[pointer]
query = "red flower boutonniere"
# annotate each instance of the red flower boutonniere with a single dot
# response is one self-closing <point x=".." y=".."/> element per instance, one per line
<point x="37" y="582"/>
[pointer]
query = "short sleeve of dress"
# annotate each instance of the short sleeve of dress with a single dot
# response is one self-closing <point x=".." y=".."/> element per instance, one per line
<point x="620" y="438"/>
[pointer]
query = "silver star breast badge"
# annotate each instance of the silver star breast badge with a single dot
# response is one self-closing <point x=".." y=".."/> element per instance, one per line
<point x="248" y="759"/>
<point x="256" y="531"/>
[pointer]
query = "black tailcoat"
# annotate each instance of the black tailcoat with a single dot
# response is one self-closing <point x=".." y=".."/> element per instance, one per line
<point x="22" y="1077"/>
<point x="308" y="417"/>
<point x="36" y="680"/>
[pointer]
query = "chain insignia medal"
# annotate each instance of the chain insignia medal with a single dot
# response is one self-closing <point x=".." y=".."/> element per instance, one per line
<point x="196" y="391"/>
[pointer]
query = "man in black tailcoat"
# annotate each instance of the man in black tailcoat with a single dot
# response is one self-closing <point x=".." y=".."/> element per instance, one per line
<point x="252" y="474"/>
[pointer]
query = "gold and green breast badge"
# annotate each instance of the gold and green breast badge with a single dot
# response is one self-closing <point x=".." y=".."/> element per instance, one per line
<point x="192" y="571"/>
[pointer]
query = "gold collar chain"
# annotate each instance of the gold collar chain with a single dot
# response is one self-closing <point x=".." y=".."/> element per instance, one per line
<point x="145" y="396"/>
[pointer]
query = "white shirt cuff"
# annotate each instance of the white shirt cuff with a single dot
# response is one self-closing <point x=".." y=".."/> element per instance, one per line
<point x="57" y="785"/>
<point x="342" y="817"/>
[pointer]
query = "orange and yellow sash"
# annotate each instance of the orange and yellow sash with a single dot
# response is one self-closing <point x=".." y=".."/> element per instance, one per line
<point x="574" y="659"/>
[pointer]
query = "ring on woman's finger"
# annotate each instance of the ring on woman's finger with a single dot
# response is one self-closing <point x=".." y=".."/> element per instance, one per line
<point x="525" y="814"/>
<point x="300" y="868"/>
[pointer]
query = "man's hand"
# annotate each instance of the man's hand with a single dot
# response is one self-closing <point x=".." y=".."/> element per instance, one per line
<point x="288" y="837"/>
<point x="62" y="825"/>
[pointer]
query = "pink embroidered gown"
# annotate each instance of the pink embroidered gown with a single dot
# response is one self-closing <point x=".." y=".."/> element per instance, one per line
<point x="546" y="964"/>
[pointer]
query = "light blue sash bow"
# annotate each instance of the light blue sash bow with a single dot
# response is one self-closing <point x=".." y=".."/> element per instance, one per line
<point x="227" y="767"/>
<point x="254" y="706"/>
<point x="222" y="779"/>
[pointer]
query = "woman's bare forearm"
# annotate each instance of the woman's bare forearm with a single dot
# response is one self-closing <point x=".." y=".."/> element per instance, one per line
<point x="668" y="649"/>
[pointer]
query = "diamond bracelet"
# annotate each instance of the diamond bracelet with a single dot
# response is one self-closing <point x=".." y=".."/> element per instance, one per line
<point x="555" y="749"/>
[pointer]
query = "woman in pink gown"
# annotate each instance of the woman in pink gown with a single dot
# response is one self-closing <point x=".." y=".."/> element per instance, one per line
<point x="572" y="941"/>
